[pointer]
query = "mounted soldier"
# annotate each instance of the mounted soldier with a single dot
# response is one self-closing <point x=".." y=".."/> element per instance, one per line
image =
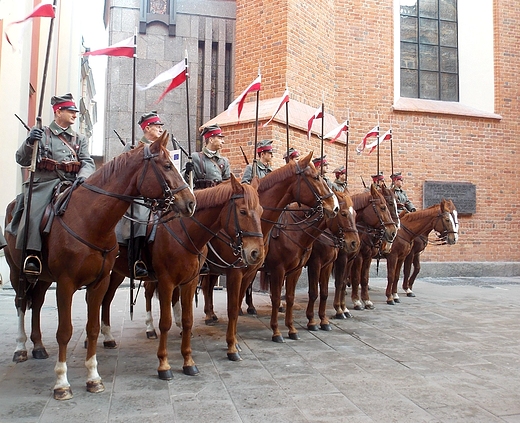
<point x="293" y="154"/>
<point x="321" y="164"/>
<point x="63" y="156"/>
<point x="378" y="178"/>
<point x="263" y="164"/>
<point x="340" y="183"/>
<point x="403" y="203"/>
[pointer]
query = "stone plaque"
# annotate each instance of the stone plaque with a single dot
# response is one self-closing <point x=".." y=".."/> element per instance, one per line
<point x="463" y="195"/>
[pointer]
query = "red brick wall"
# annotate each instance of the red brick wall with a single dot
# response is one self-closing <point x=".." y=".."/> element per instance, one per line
<point x="343" y="51"/>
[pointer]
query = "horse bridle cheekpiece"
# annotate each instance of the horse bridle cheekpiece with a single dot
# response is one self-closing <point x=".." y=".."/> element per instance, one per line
<point x="319" y="199"/>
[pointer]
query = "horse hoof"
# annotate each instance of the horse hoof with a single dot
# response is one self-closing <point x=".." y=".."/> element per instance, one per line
<point x="95" y="386"/>
<point x="358" y="307"/>
<point x="348" y="315"/>
<point x="234" y="356"/>
<point x="278" y="338"/>
<point x="326" y="327"/>
<point x="390" y="302"/>
<point x="339" y="316"/>
<point x="40" y="354"/>
<point x="410" y="294"/>
<point x="151" y="334"/>
<point x="397" y="300"/>
<point x="85" y="343"/>
<point x="240" y="312"/>
<point x="251" y="311"/>
<point x="313" y="328"/>
<point x="369" y="306"/>
<point x="281" y="309"/>
<point x="110" y="344"/>
<point x="211" y="321"/>
<point x="294" y="336"/>
<point x="61" y="394"/>
<point x="190" y="370"/>
<point x="165" y="374"/>
<point x="20" y="356"/>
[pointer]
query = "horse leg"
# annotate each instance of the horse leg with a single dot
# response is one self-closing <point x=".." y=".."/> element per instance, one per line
<point x="406" y="273"/>
<point x="165" y="290"/>
<point x="149" y="290"/>
<point x="251" y="309"/>
<point x="176" y="306"/>
<point x="38" y="298"/>
<point x="290" y="288"/>
<point x="416" y="270"/>
<point x="397" y="272"/>
<point x="390" y="266"/>
<point x="208" y="283"/>
<point x="324" y="276"/>
<point x="236" y="284"/>
<point x="115" y="280"/>
<point x="355" y="277"/>
<point x="312" y="276"/>
<point x="277" y="279"/>
<point x="365" y="274"/>
<point x="187" y="293"/>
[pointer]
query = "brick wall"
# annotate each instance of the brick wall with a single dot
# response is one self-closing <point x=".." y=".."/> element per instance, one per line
<point x="342" y="51"/>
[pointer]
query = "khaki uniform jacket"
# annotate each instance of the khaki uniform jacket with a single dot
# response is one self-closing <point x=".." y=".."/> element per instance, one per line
<point x="209" y="168"/>
<point x="261" y="171"/>
<point x="402" y="200"/>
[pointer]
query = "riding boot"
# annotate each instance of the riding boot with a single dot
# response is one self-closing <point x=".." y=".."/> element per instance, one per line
<point x="32" y="266"/>
<point x="139" y="267"/>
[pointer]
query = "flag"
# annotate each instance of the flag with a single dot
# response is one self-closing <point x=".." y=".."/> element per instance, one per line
<point x="386" y="136"/>
<point x="254" y="86"/>
<point x="123" y="48"/>
<point x="318" y="114"/>
<point x="374" y="132"/>
<point x="285" y="99"/>
<point x="176" y="74"/>
<point x="336" y="132"/>
<point x="43" y="10"/>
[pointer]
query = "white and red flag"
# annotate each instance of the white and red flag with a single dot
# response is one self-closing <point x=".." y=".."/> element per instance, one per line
<point x="336" y="132"/>
<point x="42" y="10"/>
<point x="124" y="48"/>
<point x="374" y="132"/>
<point x="177" y="75"/>
<point x="284" y="99"/>
<point x="318" y="114"/>
<point x="374" y="144"/>
<point x="253" y="87"/>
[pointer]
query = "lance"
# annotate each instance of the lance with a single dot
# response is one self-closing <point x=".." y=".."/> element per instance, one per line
<point x="322" y="128"/>
<point x="120" y="139"/>
<point x="190" y="176"/>
<point x="377" y="173"/>
<point x="287" y="123"/>
<point x="254" y="170"/>
<point x="32" y="169"/>
<point x="22" y="122"/>
<point x="176" y="145"/>
<point x="346" y="149"/>
<point x="244" y="154"/>
<point x="131" y="245"/>
<point x="391" y="148"/>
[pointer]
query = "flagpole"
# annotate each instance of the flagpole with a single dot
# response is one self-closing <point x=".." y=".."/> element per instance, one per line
<point x="377" y="173"/>
<point x="287" y="123"/>
<point x="131" y="244"/>
<point x="254" y="170"/>
<point x="32" y="169"/>
<point x="322" y="134"/>
<point x="190" y="176"/>
<point x="391" y="148"/>
<point x="346" y="148"/>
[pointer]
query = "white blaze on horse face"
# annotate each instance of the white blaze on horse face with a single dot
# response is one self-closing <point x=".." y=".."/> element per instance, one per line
<point x="455" y="223"/>
<point x="336" y="202"/>
<point x="397" y="214"/>
<point x="351" y="210"/>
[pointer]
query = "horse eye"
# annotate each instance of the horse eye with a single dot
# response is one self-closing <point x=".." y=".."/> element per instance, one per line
<point x="243" y="212"/>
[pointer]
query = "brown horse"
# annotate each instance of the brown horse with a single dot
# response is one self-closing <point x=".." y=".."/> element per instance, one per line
<point x="230" y="211"/>
<point x="374" y="225"/>
<point x="81" y="248"/>
<point x="292" y="238"/>
<point x="441" y="218"/>
<point x="295" y="182"/>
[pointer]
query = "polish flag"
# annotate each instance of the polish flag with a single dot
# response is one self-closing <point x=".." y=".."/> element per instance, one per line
<point x="374" y="132"/>
<point x="254" y="86"/>
<point x="318" y="114"/>
<point x="123" y="48"/>
<point x="43" y="10"/>
<point x="285" y="99"/>
<point x="386" y="136"/>
<point x="336" y="132"/>
<point x="176" y="74"/>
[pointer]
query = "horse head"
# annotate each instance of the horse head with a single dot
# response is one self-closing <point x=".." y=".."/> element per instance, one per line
<point x="160" y="183"/>
<point x="447" y="225"/>
<point x="391" y="202"/>
<point x="377" y="215"/>
<point x="344" y="223"/>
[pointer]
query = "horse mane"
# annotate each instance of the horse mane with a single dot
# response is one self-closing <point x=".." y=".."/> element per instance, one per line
<point x="420" y="214"/>
<point x="112" y="167"/>
<point x="361" y="200"/>
<point x="276" y="176"/>
<point x="219" y="195"/>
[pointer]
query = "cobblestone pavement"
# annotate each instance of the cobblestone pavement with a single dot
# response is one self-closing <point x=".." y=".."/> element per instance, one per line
<point x="451" y="354"/>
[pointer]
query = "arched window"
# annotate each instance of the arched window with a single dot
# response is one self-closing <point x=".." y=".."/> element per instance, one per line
<point x="158" y="11"/>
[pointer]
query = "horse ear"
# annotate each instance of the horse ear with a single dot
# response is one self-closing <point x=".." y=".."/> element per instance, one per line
<point x="255" y="182"/>
<point x="235" y="184"/>
<point x="306" y="160"/>
<point x="164" y="139"/>
<point x="373" y="189"/>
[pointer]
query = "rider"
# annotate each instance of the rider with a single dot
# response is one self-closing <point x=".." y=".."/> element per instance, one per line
<point x="152" y="128"/>
<point x="63" y="156"/>
<point x="321" y="164"/>
<point x="293" y="154"/>
<point x="208" y="166"/>
<point x="263" y="164"/>
<point x="400" y="195"/>
<point x="340" y="184"/>
<point x="378" y="178"/>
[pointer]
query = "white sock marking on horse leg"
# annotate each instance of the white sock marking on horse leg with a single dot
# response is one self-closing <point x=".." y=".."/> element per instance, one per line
<point x="149" y="322"/>
<point x="21" y="337"/>
<point x="61" y="375"/>
<point x="369" y="303"/>
<point x="408" y="291"/>
<point x="106" y="332"/>
<point x="92" y="373"/>
<point x="395" y="296"/>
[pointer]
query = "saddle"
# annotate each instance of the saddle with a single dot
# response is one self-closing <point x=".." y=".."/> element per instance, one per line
<point x="58" y="205"/>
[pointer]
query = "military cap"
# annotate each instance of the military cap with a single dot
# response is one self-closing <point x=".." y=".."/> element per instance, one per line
<point x="293" y="154"/>
<point x="378" y="177"/>
<point x="211" y="131"/>
<point x="340" y="171"/>
<point x="264" y="145"/>
<point x="320" y="161"/>
<point x="396" y="176"/>
<point x="151" y="118"/>
<point x="64" y="102"/>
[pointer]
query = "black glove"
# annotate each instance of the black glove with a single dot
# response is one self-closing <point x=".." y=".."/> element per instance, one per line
<point x="189" y="167"/>
<point x="413" y="209"/>
<point x="36" y="134"/>
<point x="80" y="180"/>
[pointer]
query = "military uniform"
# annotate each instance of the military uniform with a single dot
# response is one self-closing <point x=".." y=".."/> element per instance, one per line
<point x="401" y="197"/>
<point x="293" y="154"/>
<point x="338" y="184"/>
<point x="262" y="169"/>
<point x="321" y="162"/>
<point x="63" y="156"/>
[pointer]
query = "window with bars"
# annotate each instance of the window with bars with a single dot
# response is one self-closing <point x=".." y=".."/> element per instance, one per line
<point x="429" y="49"/>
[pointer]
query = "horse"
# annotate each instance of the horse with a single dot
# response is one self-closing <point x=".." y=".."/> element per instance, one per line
<point x="440" y="217"/>
<point x="297" y="181"/>
<point x="230" y="211"/>
<point x="376" y="213"/>
<point x="373" y="244"/>
<point x="80" y="252"/>
<point x="292" y="238"/>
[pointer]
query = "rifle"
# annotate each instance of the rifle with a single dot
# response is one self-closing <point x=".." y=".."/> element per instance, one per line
<point x="244" y="154"/>
<point x="120" y="139"/>
<point x="177" y="145"/>
<point x="22" y="122"/>
<point x="362" y="180"/>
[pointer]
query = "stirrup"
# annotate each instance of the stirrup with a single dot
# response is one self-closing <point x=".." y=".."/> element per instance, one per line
<point x="32" y="266"/>
<point x="140" y="270"/>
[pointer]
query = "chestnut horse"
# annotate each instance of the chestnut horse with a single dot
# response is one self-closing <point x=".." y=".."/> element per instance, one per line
<point x="292" y="238"/>
<point x="230" y="211"/>
<point x="441" y="218"/>
<point x="374" y="225"/>
<point x="81" y="248"/>
<point x="297" y="181"/>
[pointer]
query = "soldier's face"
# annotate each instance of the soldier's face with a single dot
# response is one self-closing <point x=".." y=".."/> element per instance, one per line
<point x="215" y="143"/>
<point x="65" y="118"/>
<point x="153" y="132"/>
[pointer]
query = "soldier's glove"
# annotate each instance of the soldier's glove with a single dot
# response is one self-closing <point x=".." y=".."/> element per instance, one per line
<point x="80" y="180"/>
<point x="414" y="209"/>
<point x="189" y="168"/>
<point x="36" y="134"/>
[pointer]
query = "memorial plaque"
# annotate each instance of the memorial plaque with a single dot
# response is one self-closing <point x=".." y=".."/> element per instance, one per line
<point x="463" y="195"/>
